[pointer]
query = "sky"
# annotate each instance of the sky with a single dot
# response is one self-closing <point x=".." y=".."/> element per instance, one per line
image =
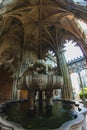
<point x="6" y="1"/>
<point x="72" y="51"/>
<point x="80" y="1"/>
<point x="83" y="25"/>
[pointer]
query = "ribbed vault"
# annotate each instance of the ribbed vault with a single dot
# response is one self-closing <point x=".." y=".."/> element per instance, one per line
<point x="33" y="27"/>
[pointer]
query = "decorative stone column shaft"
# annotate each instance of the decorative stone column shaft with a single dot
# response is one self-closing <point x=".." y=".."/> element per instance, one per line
<point x="67" y="89"/>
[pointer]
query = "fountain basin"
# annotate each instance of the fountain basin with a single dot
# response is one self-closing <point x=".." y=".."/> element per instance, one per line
<point x="40" y="81"/>
<point x="69" y="124"/>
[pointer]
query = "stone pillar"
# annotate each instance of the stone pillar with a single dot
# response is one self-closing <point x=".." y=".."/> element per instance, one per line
<point x="49" y="95"/>
<point x="14" y="89"/>
<point x="61" y="64"/>
<point x="18" y="94"/>
<point x="31" y="99"/>
<point x="67" y="88"/>
<point x="49" y="102"/>
<point x="40" y="100"/>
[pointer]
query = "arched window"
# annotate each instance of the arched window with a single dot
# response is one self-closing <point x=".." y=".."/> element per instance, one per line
<point x="72" y="51"/>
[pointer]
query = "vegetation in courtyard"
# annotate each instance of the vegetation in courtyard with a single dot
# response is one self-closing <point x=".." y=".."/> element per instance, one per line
<point x="83" y="93"/>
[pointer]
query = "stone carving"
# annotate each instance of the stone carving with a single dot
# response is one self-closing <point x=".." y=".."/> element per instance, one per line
<point x="40" y="81"/>
<point x="6" y="57"/>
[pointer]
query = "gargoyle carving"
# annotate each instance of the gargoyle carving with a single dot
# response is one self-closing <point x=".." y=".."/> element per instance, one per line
<point x="6" y="57"/>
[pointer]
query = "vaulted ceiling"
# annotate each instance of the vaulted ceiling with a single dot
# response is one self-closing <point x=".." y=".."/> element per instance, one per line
<point x="29" y="28"/>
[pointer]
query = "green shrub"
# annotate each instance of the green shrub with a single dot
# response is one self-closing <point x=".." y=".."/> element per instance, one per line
<point x="81" y="93"/>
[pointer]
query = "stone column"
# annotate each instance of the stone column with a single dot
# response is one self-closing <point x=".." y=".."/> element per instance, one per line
<point x="31" y="99"/>
<point x="61" y="65"/>
<point x="14" y="89"/>
<point x="40" y="99"/>
<point x="49" y="95"/>
<point x="67" y="88"/>
<point x="49" y="102"/>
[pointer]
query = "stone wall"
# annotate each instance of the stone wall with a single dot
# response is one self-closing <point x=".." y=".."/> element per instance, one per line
<point x="5" y="84"/>
<point x="23" y="94"/>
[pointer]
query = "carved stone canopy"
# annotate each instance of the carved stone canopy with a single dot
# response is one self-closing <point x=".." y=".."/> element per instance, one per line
<point x="29" y="28"/>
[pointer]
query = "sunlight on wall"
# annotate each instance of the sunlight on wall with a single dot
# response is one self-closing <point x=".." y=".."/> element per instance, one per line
<point x="83" y="26"/>
<point x="75" y="84"/>
<point x="0" y="1"/>
<point x="73" y="52"/>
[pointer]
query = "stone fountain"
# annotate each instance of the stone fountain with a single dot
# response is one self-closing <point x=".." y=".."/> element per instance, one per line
<point x="36" y="80"/>
<point x="43" y="109"/>
<point x="39" y="83"/>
